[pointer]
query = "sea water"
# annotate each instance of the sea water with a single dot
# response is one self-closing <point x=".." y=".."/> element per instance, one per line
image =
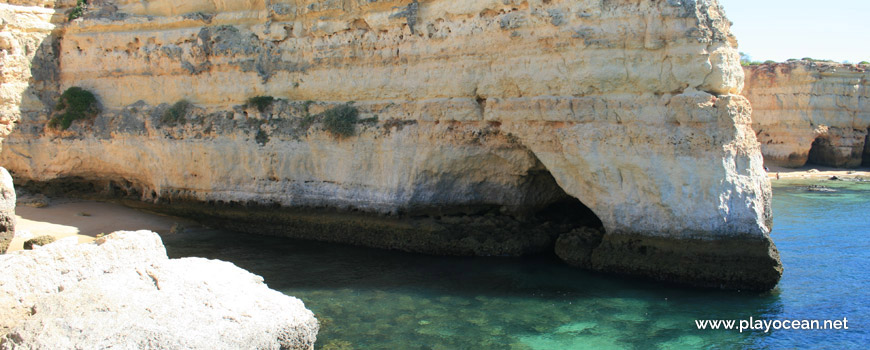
<point x="378" y="299"/>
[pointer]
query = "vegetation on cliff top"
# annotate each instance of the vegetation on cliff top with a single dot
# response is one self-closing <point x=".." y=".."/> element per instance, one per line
<point x="75" y="103"/>
<point x="746" y="60"/>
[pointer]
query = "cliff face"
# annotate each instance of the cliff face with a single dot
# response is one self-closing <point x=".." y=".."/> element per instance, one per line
<point x="473" y="117"/>
<point x="25" y="26"/>
<point x="810" y="112"/>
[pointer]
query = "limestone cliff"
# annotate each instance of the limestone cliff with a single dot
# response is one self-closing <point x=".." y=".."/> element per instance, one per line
<point x="24" y="27"/>
<point x="814" y="112"/>
<point x="474" y="116"/>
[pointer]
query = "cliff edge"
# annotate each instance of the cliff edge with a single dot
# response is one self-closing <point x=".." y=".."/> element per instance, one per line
<point x="610" y="131"/>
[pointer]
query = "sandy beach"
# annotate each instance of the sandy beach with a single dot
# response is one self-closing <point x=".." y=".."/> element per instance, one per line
<point x="814" y="172"/>
<point x="85" y="220"/>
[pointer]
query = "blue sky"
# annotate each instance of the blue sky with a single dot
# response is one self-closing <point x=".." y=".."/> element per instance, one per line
<point x="782" y="29"/>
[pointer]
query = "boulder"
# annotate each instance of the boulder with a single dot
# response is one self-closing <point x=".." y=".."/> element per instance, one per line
<point x="7" y="210"/>
<point x="122" y="291"/>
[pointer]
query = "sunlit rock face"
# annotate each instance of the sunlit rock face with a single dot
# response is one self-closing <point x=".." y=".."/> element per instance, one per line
<point x="810" y="112"/>
<point x="123" y="291"/>
<point x="475" y="118"/>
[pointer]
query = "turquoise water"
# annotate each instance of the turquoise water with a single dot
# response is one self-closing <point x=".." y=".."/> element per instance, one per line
<point x="376" y="299"/>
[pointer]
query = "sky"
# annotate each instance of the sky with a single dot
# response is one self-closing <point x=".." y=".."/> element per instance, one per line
<point x="777" y="30"/>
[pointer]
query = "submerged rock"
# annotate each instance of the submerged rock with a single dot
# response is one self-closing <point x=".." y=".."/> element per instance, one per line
<point x="122" y="291"/>
<point x="820" y="188"/>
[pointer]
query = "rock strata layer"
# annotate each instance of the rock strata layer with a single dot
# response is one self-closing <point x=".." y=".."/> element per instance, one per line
<point x="123" y="292"/>
<point x="811" y="112"/>
<point x="474" y="119"/>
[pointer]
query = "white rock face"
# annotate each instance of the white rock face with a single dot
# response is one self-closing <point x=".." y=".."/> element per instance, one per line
<point x="123" y="292"/>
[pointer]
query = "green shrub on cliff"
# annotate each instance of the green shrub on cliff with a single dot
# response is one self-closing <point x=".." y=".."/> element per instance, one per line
<point x="175" y="114"/>
<point x="77" y="11"/>
<point x="75" y="103"/>
<point x="341" y="121"/>
<point x="261" y="102"/>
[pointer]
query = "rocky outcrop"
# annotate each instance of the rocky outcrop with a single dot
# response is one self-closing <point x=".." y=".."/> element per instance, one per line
<point x="7" y="210"/>
<point x="123" y="292"/>
<point x="27" y="29"/>
<point x="477" y="120"/>
<point x="25" y="26"/>
<point x="810" y="112"/>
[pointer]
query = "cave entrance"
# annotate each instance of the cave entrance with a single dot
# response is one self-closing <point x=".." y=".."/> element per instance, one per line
<point x="822" y="152"/>
<point x="537" y="215"/>
<point x="865" y="157"/>
<point x="574" y="229"/>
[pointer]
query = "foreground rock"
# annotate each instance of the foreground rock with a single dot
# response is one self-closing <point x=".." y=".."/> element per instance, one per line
<point x="474" y="119"/>
<point x="811" y="112"/>
<point x="123" y="292"/>
<point x="7" y="210"/>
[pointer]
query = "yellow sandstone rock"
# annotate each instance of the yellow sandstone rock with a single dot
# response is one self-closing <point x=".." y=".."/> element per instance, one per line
<point x="473" y="113"/>
<point x="813" y="112"/>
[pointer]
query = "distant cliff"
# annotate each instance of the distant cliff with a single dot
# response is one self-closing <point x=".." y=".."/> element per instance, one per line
<point x="811" y="112"/>
<point x="460" y="127"/>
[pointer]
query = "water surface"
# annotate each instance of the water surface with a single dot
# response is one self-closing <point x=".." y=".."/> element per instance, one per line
<point x="377" y="299"/>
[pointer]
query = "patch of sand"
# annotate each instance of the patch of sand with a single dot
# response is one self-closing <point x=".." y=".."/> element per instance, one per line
<point x="84" y="219"/>
<point x="817" y="172"/>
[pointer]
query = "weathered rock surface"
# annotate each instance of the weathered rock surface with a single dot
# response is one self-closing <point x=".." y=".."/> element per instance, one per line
<point x="492" y="109"/>
<point x="7" y="210"/>
<point x="123" y="292"/>
<point x="814" y="112"/>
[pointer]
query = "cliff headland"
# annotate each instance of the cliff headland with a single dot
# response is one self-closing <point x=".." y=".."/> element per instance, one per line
<point x="811" y="112"/>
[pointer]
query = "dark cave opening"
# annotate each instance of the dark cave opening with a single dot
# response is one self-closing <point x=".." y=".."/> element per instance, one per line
<point x="865" y="157"/>
<point x="822" y="152"/>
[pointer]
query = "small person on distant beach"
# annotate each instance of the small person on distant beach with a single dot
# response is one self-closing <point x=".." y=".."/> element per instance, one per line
<point x="777" y="175"/>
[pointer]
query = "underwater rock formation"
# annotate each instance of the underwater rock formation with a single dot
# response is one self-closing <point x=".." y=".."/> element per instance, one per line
<point x="443" y="126"/>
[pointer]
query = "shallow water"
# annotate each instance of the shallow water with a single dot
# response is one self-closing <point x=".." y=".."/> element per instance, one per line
<point x="376" y="299"/>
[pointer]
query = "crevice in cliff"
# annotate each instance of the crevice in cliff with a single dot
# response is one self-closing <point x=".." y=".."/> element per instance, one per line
<point x="865" y="157"/>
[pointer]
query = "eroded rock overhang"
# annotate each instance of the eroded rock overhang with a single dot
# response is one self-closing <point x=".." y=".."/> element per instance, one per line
<point x="489" y="108"/>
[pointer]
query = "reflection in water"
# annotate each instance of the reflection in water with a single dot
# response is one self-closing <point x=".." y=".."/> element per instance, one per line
<point x="377" y="299"/>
